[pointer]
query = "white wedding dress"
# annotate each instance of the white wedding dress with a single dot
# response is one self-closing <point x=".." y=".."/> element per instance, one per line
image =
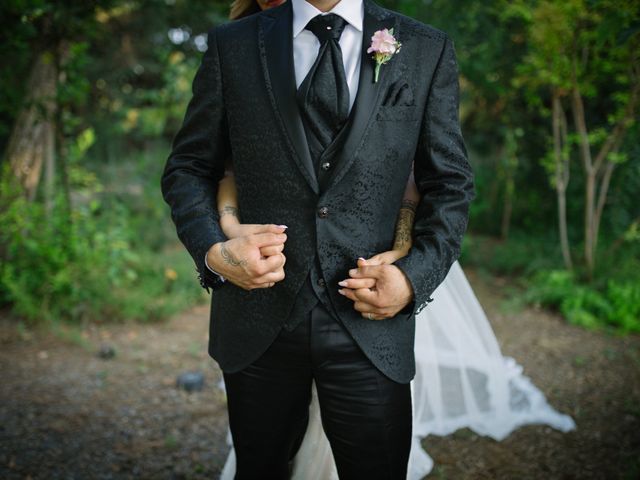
<point x="462" y="380"/>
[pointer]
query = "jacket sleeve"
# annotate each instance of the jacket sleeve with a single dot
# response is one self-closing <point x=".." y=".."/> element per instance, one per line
<point x="196" y="164"/>
<point x="445" y="183"/>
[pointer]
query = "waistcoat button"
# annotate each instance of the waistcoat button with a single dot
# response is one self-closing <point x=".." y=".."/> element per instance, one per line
<point x="323" y="212"/>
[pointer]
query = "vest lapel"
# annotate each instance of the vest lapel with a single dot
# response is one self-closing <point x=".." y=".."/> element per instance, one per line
<point x="276" y="50"/>
<point x="346" y="145"/>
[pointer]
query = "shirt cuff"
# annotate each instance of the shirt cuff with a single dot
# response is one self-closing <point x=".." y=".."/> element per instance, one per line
<point x="222" y="279"/>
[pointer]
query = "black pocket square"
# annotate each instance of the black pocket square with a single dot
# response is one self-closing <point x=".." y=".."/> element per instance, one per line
<point x="399" y="93"/>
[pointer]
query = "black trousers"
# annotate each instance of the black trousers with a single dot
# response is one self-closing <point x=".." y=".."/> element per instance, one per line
<point x="365" y="415"/>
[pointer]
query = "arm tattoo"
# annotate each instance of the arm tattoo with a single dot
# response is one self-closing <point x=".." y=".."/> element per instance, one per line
<point x="229" y="259"/>
<point x="404" y="225"/>
<point x="410" y="204"/>
<point x="229" y="210"/>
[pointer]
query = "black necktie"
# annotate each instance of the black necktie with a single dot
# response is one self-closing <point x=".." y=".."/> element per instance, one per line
<point x="323" y="96"/>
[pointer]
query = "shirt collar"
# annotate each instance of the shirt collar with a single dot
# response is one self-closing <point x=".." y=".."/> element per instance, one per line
<point x="351" y="10"/>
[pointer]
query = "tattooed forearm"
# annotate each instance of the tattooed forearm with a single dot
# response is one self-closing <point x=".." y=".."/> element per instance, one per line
<point x="409" y="204"/>
<point x="229" y="210"/>
<point x="229" y="259"/>
<point x="403" y="230"/>
<point x="404" y="225"/>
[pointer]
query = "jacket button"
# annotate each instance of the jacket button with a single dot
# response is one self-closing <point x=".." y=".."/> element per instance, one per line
<point x="323" y="212"/>
<point x="326" y="166"/>
<point x="322" y="283"/>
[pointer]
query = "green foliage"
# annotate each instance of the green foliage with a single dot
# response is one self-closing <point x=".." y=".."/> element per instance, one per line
<point x="32" y="27"/>
<point x="82" y="265"/>
<point x="579" y="44"/>
<point x="624" y="298"/>
<point x="516" y="256"/>
<point x="135" y="183"/>
<point x="611" y="300"/>
<point x="106" y="248"/>
<point x="617" y="305"/>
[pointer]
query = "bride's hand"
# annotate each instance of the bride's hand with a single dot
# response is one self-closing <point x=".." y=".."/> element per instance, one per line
<point x="378" y="288"/>
<point x="385" y="258"/>
<point x="244" y="230"/>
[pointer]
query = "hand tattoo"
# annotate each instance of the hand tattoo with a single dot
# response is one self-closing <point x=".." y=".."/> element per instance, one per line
<point x="229" y="259"/>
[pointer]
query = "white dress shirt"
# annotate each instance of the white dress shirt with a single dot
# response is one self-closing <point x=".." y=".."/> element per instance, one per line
<point x="306" y="44"/>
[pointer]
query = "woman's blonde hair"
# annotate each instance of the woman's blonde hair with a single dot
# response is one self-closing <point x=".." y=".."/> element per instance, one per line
<point x="243" y="8"/>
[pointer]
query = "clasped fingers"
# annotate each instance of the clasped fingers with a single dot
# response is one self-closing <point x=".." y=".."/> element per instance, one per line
<point x="267" y="239"/>
<point x="366" y="295"/>
<point x="358" y="283"/>
<point x="270" y="277"/>
<point x="372" y="304"/>
<point x="271" y="250"/>
<point x="265" y="280"/>
<point x="264" y="265"/>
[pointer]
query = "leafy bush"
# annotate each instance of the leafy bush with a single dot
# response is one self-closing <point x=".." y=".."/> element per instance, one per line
<point x="611" y="298"/>
<point x="61" y="265"/>
<point x="624" y="299"/>
<point x="618" y="305"/>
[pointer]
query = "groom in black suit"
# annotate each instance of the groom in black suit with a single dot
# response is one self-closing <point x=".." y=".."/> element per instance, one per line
<point x="320" y="144"/>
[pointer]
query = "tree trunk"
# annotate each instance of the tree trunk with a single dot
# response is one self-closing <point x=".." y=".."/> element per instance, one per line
<point x="598" y="173"/>
<point x="507" y="209"/>
<point x="602" y="199"/>
<point x="510" y="166"/>
<point x="49" y="167"/>
<point x="590" y="172"/>
<point x="32" y="137"/>
<point x="612" y="144"/>
<point x="561" y="157"/>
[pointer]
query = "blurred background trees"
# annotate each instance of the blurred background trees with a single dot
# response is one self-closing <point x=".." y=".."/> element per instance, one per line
<point x="92" y="92"/>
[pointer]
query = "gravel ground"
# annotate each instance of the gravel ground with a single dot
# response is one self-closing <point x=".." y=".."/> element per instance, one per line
<point x="65" y="413"/>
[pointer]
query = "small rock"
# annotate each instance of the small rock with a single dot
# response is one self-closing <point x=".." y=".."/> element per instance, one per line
<point x="106" y="352"/>
<point x="190" y="381"/>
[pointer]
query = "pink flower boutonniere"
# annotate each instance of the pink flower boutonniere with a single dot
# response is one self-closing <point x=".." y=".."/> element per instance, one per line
<point x="383" y="46"/>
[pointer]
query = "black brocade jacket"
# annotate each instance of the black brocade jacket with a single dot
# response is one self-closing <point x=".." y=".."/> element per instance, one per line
<point x="244" y="108"/>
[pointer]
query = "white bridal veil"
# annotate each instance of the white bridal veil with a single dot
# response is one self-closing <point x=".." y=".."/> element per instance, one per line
<point x="462" y="380"/>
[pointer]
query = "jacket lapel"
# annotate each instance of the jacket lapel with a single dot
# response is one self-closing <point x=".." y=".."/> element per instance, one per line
<point x="367" y="99"/>
<point x="276" y="50"/>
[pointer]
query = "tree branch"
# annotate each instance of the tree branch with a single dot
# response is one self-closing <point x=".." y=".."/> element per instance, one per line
<point x="620" y="129"/>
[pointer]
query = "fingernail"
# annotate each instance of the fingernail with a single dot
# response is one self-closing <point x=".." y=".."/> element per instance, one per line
<point x="341" y="292"/>
<point x="343" y="283"/>
<point x="353" y="271"/>
<point x="360" y="258"/>
<point x="283" y="226"/>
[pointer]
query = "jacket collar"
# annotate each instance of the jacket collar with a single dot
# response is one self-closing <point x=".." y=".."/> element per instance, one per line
<point x="350" y="10"/>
